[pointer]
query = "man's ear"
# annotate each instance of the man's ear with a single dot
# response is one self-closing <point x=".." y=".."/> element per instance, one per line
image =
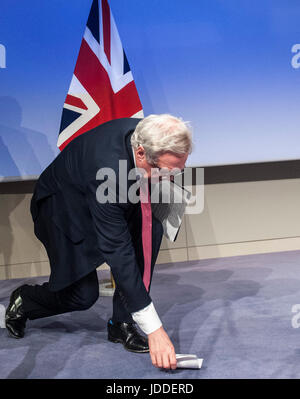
<point x="140" y="153"/>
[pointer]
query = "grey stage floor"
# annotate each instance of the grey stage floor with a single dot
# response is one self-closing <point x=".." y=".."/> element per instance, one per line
<point x="236" y="313"/>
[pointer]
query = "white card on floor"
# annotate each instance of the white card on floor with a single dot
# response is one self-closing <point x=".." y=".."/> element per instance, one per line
<point x="188" y="361"/>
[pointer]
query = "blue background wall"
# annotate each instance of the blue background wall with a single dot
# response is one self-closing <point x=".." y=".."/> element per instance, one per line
<point x="225" y="66"/>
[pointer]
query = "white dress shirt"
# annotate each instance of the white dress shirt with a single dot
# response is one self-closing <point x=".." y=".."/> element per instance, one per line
<point x="147" y="319"/>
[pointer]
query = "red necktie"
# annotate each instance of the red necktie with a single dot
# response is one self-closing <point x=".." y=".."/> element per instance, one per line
<point x="146" y="232"/>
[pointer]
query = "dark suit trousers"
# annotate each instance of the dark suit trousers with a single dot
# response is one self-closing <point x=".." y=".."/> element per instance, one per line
<point x="40" y="302"/>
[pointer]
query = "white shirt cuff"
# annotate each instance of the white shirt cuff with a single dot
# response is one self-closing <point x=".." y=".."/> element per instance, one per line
<point x="147" y="319"/>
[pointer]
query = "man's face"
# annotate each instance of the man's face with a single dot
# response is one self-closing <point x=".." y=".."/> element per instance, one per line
<point x="166" y="162"/>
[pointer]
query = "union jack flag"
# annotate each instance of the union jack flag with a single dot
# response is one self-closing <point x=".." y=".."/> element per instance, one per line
<point x="102" y="87"/>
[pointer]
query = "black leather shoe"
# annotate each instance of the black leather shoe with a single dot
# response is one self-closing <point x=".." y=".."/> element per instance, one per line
<point x="15" y="318"/>
<point x="127" y="334"/>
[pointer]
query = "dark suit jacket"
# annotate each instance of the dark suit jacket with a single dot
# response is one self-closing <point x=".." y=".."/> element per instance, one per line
<point x="64" y="201"/>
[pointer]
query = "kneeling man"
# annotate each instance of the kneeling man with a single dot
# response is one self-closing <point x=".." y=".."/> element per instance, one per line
<point x="81" y="228"/>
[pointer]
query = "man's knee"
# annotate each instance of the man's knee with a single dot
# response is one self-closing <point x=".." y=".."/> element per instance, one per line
<point x="87" y="300"/>
<point x="82" y="296"/>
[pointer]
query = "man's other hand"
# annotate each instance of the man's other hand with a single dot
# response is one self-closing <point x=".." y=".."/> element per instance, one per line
<point x="162" y="350"/>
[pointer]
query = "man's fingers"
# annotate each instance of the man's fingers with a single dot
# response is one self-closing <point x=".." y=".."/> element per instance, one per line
<point x="173" y="361"/>
<point x="159" y="361"/>
<point x="153" y="359"/>
<point x="166" y="361"/>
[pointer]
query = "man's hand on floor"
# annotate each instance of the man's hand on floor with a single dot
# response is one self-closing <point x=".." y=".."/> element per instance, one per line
<point x="162" y="350"/>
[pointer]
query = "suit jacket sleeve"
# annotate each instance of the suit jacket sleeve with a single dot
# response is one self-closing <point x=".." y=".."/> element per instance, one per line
<point x="115" y="243"/>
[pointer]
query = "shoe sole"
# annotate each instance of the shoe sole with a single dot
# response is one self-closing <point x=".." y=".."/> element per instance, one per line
<point x="119" y="341"/>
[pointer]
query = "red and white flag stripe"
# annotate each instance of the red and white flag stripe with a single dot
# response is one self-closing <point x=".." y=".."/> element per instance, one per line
<point x="102" y="87"/>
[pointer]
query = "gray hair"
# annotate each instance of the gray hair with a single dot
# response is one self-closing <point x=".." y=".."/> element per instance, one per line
<point x="163" y="133"/>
